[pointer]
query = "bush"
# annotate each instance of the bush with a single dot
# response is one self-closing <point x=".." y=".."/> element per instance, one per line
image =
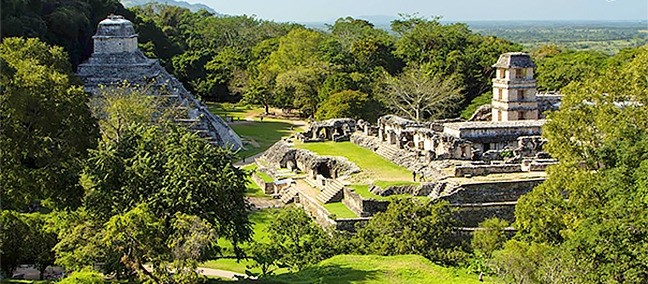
<point x="84" y="277"/>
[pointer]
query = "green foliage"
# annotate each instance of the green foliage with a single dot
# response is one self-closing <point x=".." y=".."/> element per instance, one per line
<point x="266" y="257"/>
<point x="483" y="99"/>
<point x="84" y="277"/>
<point x="13" y="231"/>
<point x="25" y="238"/>
<point x="154" y="193"/>
<point x="46" y="126"/>
<point x="378" y="269"/>
<point x="68" y="24"/>
<point x="491" y="237"/>
<point x="450" y="51"/>
<point x="352" y="104"/>
<point x="411" y="226"/>
<point x="591" y="211"/>
<point x="300" y="241"/>
<point x="553" y="72"/>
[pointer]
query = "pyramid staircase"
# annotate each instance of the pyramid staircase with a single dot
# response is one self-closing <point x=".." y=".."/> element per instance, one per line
<point x="289" y="194"/>
<point x="332" y="192"/>
<point x="388" y="152"/>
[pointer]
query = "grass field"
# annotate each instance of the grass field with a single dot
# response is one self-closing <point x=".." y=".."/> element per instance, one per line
<point x="253" y="190"/>
<point x="375" y="167"/>
<point x="257" y="135"/>
<point x="260" y="221"/>
<point x="379" y="269"/>
<point x="340" y="210"/>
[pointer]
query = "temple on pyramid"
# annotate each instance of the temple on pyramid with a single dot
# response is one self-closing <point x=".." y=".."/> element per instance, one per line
<point x="116" y="59"/>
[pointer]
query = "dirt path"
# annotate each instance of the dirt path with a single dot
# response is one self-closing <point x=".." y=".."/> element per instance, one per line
<point x="220" y="273"/>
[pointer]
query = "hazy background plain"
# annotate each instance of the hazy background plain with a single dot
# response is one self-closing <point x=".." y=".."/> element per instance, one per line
<point x="450" y="10"/>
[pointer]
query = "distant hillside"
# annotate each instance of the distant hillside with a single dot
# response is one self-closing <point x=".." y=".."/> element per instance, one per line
<point x="379" y="269"/>
<point x="183" y="4"/>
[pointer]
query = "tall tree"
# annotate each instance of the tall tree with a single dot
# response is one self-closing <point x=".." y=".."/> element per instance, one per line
<point x="592" y="207"/>
<point x="419" y="96"/>
<point x="410" y="226"/>
<point x="46" y="129"/>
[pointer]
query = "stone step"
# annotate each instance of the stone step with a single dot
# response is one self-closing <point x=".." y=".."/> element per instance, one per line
<point x="311" y="182"/>
<point x="332" y="192"/>
<point x="288" y="195"/>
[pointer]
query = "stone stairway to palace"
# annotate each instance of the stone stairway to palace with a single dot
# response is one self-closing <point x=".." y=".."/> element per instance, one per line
<point x="388" y="152"/>
<point x="332" y="192"/>
<point x="288" y="195"/>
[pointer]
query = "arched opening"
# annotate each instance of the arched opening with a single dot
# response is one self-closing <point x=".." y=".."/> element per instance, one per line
<point x="323" y="170"/>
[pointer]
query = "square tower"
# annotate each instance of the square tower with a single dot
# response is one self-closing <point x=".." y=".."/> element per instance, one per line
<point x="514" y="89"/>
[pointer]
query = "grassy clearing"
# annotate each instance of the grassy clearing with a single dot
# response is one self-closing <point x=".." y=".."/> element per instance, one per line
<point x="260" y="221"/>
<point x="379" y="269"/>
<point x="237" y="112"/>
<point x="253" y="190"/>
<point x="257" y="135"/>
<point x="260" y="135"/>
<point x="375" y="166"/>
<point x="340" y="210"/>
<point x="363" y="190"/>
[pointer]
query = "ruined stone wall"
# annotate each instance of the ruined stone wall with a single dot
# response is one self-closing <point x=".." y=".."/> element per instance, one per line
<point x="482" y="170"/>
<point x="471" y="216"/>
<point x="423" y="189"/>
<point x="268" y="187"/>
<point x="363" y="207"/>
<point x="114" y="45"/>
<point x="281" y="154"/>
<point x="317" y="211"/>
<point x="488" y="192"/>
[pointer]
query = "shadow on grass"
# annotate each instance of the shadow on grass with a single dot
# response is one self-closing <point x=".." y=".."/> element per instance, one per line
<point x="323" y="274"/>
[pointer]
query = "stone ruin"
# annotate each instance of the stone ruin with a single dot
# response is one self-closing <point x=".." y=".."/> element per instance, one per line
<point x="503" y="138"/>
<point x="283" y="155"/>
<point x="116" y="59"/>
<point x="338" y="129"/>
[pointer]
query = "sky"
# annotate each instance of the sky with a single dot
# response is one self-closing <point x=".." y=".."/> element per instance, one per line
<point x="451" y="10"/>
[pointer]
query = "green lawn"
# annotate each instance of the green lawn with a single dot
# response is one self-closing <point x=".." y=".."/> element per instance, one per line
<point x="257" y="135"/>
<point x="340" y="210"/>
<point x="363" y="190"/>
<point x="379" y="269"/>
<point x="260" y="221"/>
<point x="235" y="111"/>
<point x="253" y="190"/>
<point x="373" y="165"/>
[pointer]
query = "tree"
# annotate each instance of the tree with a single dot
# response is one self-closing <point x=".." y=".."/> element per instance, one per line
<point x="156" y="194"/>
<point x="68" y="24"/>
<point x="490" y="238"/>
<point x="352" y="104"/>
<point x="47" y="126"/>
<point x="450" y="50"/>
<point x="419" y="95"/>
<point x="553" y="72"/>
<point x="300" y="241"/>
<point x="39" y="242"/>
<point x="591" y="209"/>
<point x="13" y="231"/>
<point x="410" y="226"/>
